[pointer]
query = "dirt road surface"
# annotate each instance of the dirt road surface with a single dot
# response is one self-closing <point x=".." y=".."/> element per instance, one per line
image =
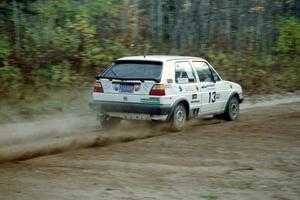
<point x="256" y="157"/>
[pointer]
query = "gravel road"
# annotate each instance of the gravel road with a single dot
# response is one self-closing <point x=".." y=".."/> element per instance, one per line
<point x="256" y="157"/>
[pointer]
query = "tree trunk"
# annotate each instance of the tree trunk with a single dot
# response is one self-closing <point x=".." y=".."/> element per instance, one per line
<point x="227" y="24"/>
<point x="16" y="28"/>
<point x="177" y="25"/>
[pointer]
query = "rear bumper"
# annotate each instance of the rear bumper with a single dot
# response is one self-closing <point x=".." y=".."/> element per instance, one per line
<point x="138" y="108"/>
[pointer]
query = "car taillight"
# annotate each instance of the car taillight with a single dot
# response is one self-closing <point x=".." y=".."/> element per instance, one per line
<point x="158" y="90"/>
<point x="98" y="87"/>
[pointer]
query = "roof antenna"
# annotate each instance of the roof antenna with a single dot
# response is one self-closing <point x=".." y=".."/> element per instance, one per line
<point x="144" y="56"/>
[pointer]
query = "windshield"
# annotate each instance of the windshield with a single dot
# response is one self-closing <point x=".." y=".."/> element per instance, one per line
<point x="135" y="70"/>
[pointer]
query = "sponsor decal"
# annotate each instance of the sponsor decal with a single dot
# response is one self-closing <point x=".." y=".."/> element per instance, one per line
<point x="218" y="96"/>
<point x="116" y="87"/>
<point x="182" y="80"/>
<point x="197" y="88"/>
<point x="195" y="101"/>
<point x="208" y="85"/>
<point x="125" y="98"/>
<point x="180" y="89"/>
<point x="137" y="88"/>
<point x="194" y="96"/>
<point x="151" y="100"/>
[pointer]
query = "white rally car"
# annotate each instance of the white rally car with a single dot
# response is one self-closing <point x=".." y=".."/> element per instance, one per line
<point x="163" y="88"/>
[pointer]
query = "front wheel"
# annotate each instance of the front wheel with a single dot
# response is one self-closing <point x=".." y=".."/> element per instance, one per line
<point x="233" y="109"/>
<point x="179" y="118"/>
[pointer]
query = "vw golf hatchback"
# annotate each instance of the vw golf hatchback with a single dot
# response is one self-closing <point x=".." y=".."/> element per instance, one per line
<point x="163" y="88"/>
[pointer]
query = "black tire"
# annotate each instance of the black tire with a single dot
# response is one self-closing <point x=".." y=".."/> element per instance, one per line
<point x="178" y="118"/>
<point x="232" y="109"/>
<point x="110" y="123"/>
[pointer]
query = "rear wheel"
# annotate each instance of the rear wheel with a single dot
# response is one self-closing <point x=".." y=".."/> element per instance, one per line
<point x="233" y="109"/>
<point x="109" y="122"/>
<point x="179" y="118"/>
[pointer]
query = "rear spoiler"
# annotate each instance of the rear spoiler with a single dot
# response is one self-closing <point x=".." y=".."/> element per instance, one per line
<point x="128" y="79"/>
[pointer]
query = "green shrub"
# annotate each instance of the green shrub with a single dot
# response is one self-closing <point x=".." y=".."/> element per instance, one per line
<point x="62" y="75"/>
<point x="5" y="50"/>
<point x="10" y="80"/>
<point x="288" y="41"/>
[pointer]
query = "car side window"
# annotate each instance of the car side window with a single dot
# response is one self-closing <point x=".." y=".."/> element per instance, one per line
<point x="203" y="71"/>
<point x="215" y="75"/>
<point x="184" y="73"/>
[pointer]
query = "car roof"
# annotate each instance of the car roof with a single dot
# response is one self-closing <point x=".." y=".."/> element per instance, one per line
<point x="160" y="58"/>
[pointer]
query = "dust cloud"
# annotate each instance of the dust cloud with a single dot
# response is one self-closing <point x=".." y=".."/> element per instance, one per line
<point x="28" y="140"/>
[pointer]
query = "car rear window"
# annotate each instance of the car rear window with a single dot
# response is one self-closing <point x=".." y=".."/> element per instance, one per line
<point x="144" y="70"/>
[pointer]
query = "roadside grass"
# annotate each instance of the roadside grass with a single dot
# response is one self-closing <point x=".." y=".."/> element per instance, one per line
<point x="289" y="167"/>
<point x="241" y="184"/>
<point x="209" y="196"/>
<point x="38" y="104"/>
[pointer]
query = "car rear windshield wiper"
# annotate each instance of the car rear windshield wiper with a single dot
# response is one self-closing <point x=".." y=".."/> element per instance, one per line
<point x="114" y="73"/>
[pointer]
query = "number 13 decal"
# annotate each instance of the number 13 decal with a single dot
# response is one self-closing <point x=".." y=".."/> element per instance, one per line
<point x="212" y="97"/>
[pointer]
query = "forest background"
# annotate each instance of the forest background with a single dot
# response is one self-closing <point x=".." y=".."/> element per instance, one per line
<point x="50" y="50"/>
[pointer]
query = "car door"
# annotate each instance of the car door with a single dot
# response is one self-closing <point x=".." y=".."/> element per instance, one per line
<point x="221" y="92"/>
<point x="186" y="84"/>
<point x="209" y="89"/>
